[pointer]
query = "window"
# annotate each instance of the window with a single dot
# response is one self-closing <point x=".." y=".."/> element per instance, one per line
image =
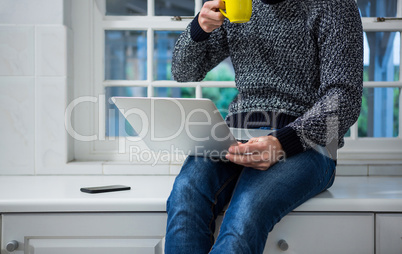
<point x="378" y="129"/>
<point x="133" y="45"/>
<point x="131" y="49"/>
<point x="130" y="69"/>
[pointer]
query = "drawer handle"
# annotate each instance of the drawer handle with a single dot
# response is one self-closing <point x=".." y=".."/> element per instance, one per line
<point x="283" y="245"/>
<point x="12" y="246"/>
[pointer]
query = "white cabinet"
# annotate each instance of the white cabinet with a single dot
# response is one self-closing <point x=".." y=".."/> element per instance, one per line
<point x="389" y="233"/>
<point x="318" y="233"/>
<point x="84" y="233"/>
<point x="143" y="233"/>
<point x="323" y="233"/>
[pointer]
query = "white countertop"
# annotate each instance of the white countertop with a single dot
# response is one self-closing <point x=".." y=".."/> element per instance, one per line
<point x="149" y="194"/>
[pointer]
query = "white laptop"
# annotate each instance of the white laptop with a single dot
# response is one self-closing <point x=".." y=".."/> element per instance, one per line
<point x="189" y="126"/>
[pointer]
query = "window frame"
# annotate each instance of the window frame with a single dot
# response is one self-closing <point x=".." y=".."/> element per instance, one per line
<point x="374" y="150"/>
<point x="377" y="150"/>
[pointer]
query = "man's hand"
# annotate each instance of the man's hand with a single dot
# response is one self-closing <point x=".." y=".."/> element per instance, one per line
<point x="210" y="17"/>
<point x="259" y="153"/>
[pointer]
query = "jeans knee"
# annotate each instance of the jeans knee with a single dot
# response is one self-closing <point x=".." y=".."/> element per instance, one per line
<point x="182" y="193"/>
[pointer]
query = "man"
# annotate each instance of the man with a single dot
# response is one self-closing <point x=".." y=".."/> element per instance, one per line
<point x="298" y="67"/>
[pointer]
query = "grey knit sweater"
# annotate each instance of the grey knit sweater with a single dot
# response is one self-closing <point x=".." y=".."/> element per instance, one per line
<point x="298" y="68"/>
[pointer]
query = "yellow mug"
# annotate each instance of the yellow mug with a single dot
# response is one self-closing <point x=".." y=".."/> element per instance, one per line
<point x="237" y="11"/>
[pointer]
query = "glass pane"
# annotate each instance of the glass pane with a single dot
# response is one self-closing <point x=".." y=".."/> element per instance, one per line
<point x="377" y="8"/>
<point x="223" y="72"/>
<point x="116" y="124"/>
<point x="379" y="116"/>
<point x="381" y="56"/>
<point x="222" y="97"/>
<point x="125" y="55"/>
<point x="126" y="7"/>
<point x="175" y="92"/>
<point x="174" y="8"/>
<point x="347" y="135"/>
<point x="163" y="49"/>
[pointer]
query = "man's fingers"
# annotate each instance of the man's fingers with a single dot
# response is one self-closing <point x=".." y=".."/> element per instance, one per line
<point x="211" y="12"/>
<point x="259" y="153"/>
<point x="252" y="161"/>
<point x="250" y="158"/>
<point x="214" y="5"/>
<point x="210" y="18"/>
<point x="249" y="148"/>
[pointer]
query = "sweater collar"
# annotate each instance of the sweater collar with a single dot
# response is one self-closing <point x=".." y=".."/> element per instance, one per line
<point x="272" y="1"/>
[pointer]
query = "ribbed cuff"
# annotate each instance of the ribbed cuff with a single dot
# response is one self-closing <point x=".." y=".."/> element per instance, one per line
<point x="196" y="32"/>
<point x="271" y="1"/>
<point x="289" y="140"/>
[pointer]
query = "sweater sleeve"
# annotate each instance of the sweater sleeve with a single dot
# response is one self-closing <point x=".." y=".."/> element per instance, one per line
<point x="340" y="42"/>
<point x="197" y="52"/>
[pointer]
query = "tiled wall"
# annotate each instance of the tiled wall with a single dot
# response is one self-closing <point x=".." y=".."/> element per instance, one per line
<point x="35" y="73"/>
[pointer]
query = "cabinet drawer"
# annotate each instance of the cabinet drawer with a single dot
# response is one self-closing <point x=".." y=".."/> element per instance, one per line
<point x="323" y="233"/>
<point x="318" y="233"/>
<point x="389" y="233"/>
<point x="89" y="233"/>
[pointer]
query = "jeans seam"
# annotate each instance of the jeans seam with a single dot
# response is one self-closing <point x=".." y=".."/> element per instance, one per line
<point x="215" y="202"/>
<point x="330" y="179"/>
<point x="332" y="176"/>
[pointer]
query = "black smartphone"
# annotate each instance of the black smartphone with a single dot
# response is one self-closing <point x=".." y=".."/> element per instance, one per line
<point x="109" y="188"/>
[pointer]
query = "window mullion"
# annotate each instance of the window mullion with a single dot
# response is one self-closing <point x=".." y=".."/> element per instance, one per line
<point x="354" y="131"/>
<point x="370" y="24"/>
<point x="400" y="113"/>
<point x="198" y="91"/>
<point x="400" y="73"/>
<point x="151" y="8"/>
<point x="197" y="6"/>
<point x="384" y="84"/>
<point x="150" y="60"/>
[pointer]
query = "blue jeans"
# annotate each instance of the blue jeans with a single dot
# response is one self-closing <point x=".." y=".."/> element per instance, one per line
<point x="257" y="201"/>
